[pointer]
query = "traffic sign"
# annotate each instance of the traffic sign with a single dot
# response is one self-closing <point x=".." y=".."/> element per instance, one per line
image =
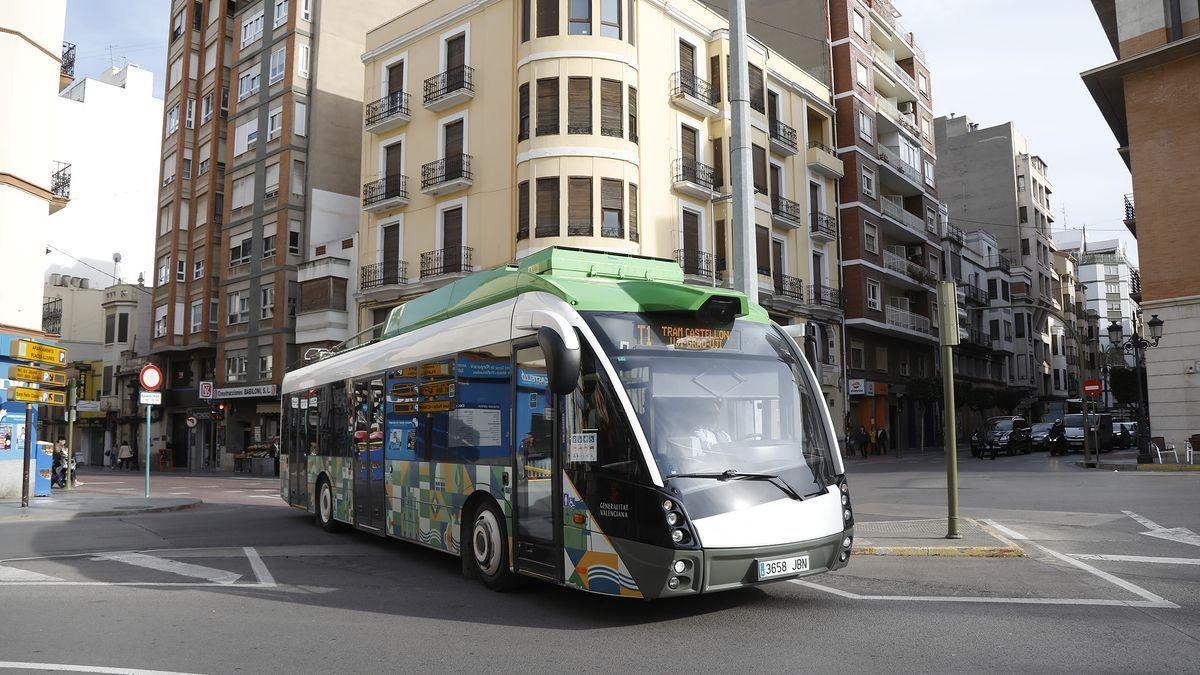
<point x="47" y="377"/>
<point x="28" y="350"/>
<point x="1091" y="386"/>
<point x="43" y="396"/>
<point x="150" y="377"/>
<point x="206" y="389"/>
<point x="150" y="398"/>
<point x="190" y="421"/>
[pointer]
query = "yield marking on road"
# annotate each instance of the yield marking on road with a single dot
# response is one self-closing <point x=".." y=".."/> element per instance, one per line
<point x="64" y="667"/>
<point x="1178" y="534"/>
<point x="16" y="574"/>
<point x="210" y="574"/>
<point x="1137" y="558"/>
<point x="1150" y="600"/>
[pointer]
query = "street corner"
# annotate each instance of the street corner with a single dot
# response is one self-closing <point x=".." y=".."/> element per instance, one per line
<point x="90" y="505"/>
<point x="227" y="567"/>
<point x="928" y="537"/>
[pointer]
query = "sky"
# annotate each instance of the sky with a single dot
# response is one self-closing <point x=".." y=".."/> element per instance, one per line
<point x="1019" y="60"/>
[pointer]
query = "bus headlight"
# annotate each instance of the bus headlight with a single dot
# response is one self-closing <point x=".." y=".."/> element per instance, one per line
<point x="680" y="567"/>
<point x="668" y="505"/>
<point x="673" y="583"/>
<point x="677" y="536"/>
<point x="846" y="542"/>
<point x="846" y="514"/>
<point x="672" y="518"/>
<point x="845" y="499"/>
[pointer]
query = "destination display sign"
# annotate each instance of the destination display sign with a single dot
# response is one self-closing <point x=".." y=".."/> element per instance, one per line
<point x="685" y="337"/>
<point x="41" y="396"/>
<point x="28" y="350"/>
<point x="410" y="407"/>
<point x="27" y="374"/>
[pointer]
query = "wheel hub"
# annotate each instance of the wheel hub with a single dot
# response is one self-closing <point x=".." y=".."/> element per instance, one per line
<point x="485" y="540"/>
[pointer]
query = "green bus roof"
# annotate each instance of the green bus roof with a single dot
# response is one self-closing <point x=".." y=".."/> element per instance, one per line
<point x="587" y="280"/>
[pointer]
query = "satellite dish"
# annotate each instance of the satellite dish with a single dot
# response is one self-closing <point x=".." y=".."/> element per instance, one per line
<point x="116" y="257"/>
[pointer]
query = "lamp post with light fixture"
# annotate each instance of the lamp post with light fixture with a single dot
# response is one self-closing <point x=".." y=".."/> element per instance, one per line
<point x="1137" y="345"/>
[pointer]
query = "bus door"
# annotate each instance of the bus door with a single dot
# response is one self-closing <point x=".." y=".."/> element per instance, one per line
<point x="368" y="453"/>
<point x="537" y="520"/>
<point x="297" y="449"/>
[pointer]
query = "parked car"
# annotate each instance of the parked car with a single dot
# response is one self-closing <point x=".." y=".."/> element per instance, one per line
<point x="1049" y="436"/>
<point x="1100" y="427"/>
<point x="1007" y="434"/>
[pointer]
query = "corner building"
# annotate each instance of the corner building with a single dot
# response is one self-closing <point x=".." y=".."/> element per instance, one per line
<point x="891" y="217"/>
<point x="495" y="130"/>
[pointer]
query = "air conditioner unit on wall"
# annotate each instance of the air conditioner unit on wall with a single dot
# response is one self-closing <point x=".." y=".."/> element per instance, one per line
<point x="906" y="107"/>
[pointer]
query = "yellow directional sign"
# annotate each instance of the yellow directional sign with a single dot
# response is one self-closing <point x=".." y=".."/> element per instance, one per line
<point x="28" y="350"/>
<point x="43" y="396"/>
<point x="45" y="377"/>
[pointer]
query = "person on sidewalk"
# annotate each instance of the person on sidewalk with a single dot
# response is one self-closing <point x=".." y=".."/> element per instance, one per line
<point x="124" y="453"/>
<point x="882" y="439"/>
<point x="863" y="441"/>
<point x="872" y="448"/>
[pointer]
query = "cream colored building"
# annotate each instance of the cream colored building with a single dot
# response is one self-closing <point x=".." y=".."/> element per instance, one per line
<point x="495" y="129"/>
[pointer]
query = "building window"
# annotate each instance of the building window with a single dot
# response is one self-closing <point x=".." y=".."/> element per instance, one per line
<point x="857" y="352"/>
<point x="252" y="28"/>
<point x="305" y="9"/>
<point x="868" y="182"/>
<point x="525" y="12"/>
<point x="861" y="75"/>
<point x="110" y="328"/>
<point x="633" y="212"/>
<point x="302" y="53"/>
<point x="164" y="269"/>
<point x="239" y="307"/>
<point x="523" y="112"/>
<point x="633" y="122"/>
<point x="181" y="270"/>
<point x="866" y="126"/>
<point x="198" y="269"/>
<point x="294" y="237"/>
<point x="206" y="109"/>
<point x="860" y="24"/>
<point x="579" y="105"/>
<point x="266" y="297"/>
<point x="297" y="177"/>
<point x="265" y="363"/>
<point x="248" y="81"/>
<point x="579" y="206"/>
<point x="579" y="19"/>
<point x="300" y="119"/>
<point x="873" y="295"/>
<point x="610" y="18"/>
<point x="929" y="175"/>
<point x="871" y="237"/>
<point x="160" y="321"/>
<point x="173" y="119"/>
<point x="931" y="220"/>
<point x="547" y="106"/>
<point x="176" y="73"/>
<point x="547" y="18"/>
<point x="1023" y="214"/>
<point x="881" y="358"/>
<point x="197" y="316"/>
<point x="243" y="192"/>
<point x="123" y="328"/>
<point x="759" y="160"/>
<point x="610" y="109"/>
<point x="235" y="367"/>
<point x="758" y="91"/>
<point x="190" y="118"/>
<point x="547" y="207"/>
<point x="612" y="208"/>
<point x="268" y="246"/>
<point x="278" y="59"/>
<point x="923" y="83"/>
<point x="523" y="210"/>
<point x="281" y="12"/>
<point x="274" y="123"/>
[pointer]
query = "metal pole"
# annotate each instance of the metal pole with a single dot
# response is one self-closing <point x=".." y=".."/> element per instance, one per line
<point x="1087" y="431"/>
<point x="148" y="452"/>
<point x="745" y="267"/>
<point x="951" y="445"/>
<point x="72" y="403"/>
<point x="28" y="452"/>
<point x="1143" y="411"/>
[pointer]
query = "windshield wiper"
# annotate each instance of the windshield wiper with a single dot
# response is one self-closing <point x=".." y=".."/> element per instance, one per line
<point x="734" y="474"/>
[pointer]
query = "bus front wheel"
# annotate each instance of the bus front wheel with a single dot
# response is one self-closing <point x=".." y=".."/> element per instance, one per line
<point x="489" y="548"/>
<point x="325" y="505"/>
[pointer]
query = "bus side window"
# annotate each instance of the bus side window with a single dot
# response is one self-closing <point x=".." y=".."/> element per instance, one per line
<point x="339" y="420"/>
<point x="593" y="408"/>
<point x="478" y="431"/>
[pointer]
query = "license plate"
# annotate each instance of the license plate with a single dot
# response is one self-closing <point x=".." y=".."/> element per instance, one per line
<point x="781" y="567"/>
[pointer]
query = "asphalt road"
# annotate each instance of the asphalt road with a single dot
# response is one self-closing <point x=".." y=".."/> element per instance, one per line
<point x="251" y="585"/>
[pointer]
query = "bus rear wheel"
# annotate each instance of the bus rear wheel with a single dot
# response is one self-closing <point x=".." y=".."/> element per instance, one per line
<point x="489" y="548"/>
<point x="325" y="505"/>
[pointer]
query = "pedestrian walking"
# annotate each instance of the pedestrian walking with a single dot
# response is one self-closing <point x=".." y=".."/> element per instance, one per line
<point x="873" y="449"/>
<point x="863" y="441"/>
<point x="124" y="454"/>
<point x="882" y="439"/>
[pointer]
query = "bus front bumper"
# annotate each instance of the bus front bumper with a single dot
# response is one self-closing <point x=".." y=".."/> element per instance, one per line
<point x="729" y="568"/>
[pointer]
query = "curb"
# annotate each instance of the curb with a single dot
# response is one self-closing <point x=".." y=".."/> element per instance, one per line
<point x="943" y="551"/>
<point x="96" y="514"/>
<point x="1112" y="466"/>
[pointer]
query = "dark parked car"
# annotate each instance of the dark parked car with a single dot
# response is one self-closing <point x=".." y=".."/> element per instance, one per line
<point x="1049" y="436"/>
<point x="1007" y="434"/>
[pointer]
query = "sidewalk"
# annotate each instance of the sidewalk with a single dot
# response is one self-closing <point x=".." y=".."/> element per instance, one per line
<point x="927" y="536"/>
<point x="77" y="504"/>
<point x="1126" y="460"/>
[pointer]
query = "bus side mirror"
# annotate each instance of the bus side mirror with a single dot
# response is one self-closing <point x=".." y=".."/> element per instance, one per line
<point x="562" y="362"/>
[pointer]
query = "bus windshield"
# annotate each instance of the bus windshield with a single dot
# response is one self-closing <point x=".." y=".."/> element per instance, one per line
<point x="719" y="398"/>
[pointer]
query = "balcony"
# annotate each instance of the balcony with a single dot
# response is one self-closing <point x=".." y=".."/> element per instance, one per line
<point x="444" y="261"/>
<point x="902" y="318"/>
<point x="893" y="69"/>
<point x="389" y="112"/>
<point x="383" y="274"/>
<point x="66" y="72"/>
<point x="701" y="266"/>
<point x="783" y="139"/>
<point x="822" y="159"/>
<point x="975" y="294"/>
<point x="693" y="94"/>
<point x="389" y="192"/>
<point x="786" y="213"/>
<point x="60" y="186"/>
<point x="827" y="297"/>
<point x="1130" y="215"/>
<point x="955" y="234"/>
<point x="998" y="262"/>
<point x="892" y="207"/>
<point x="787" y="294"/>
<point x="905" y="121"/>
<point x="824" y="226"/>
<point x="915" y="272"/>
<point x="693" y="178"/>
<point x="448" y="89"/>
<point x="975" y="337"/>
<point x="1135" y="287"/>
<point x="446" y="175"/>
<point x="891" y="159"/>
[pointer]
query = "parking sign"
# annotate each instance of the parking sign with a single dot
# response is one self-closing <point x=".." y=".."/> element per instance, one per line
<point x="206" y="389"/>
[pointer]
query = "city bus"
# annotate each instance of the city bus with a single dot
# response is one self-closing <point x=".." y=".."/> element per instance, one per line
<point x="582" y="418"/>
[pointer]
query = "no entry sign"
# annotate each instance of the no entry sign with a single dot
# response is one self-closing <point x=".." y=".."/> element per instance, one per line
<point x="1091" y="386"/>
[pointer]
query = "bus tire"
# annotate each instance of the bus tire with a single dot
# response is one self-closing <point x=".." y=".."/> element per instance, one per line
<point x="325" y="505"/>
<point x="489" y="547"/>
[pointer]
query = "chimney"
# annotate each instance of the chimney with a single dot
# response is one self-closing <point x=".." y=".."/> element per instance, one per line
<point x="55" y="279"/>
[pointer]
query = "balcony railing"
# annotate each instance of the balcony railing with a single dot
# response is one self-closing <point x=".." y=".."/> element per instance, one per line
<point x="894" y="209"/>
<point x="52" y="316"/>
<point x="68" y="59"/>
<point x="892" y="159"/>
<point x="1130" y="211"/>
<point x="902" y="318"/>
<point x="820" y="146"/>
<point x="691" y="85"/>
<point x="60" y="180"/>
<point x="997" y="261"/>
<point x="910" y="269"/>
<point x="889" y="109"/>
<point x="789" y="287"/>
<point x="383" y="274"/>
<point x="821" y="295"/>
<point x="692" y="171"/>
<point x="786" y="208"/>
<point x="444" y="84"/>
<point x="454" y="260"/>
<point x="823" y="223"/>
<point x="955" y="234"/>
<point x="784" y="135"/>
<point x="444" y="170"/>
<point x="975" y="294"/>
<point x="700" y="264"/>
<point x="395" y="103"/>
<point x="1104" y="259"/>
<point x="889" y="62"/>
<point x="977" y="337"/>
<point x="388" y="187"/>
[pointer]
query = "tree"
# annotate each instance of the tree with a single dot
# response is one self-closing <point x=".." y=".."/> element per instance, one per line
<point x="1007" y="400"/>
<point x="1123" y="383"/>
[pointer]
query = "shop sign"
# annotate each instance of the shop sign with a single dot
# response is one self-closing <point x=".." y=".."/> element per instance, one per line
<point x="87" y="406"/>
<point x="856" y="387"/>
<point x="245" y="392"/>
<point x="870" y="388"/>
<point x="881" y="388"/>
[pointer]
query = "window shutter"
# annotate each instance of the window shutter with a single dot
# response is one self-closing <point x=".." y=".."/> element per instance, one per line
<point x="757" y="92"/>
<point x="687" y="58"/>
<point x="718" y="164"/>
<point x="633" y="213"/>
<point x="719" y="249"/>
<point x="610" y="108"/>
<point x="525" y="7"/>
<point x="762" y="245"/>
<point x="547" y="207"/>
<point x="547" y="18"/>
<point x="579" y="105"/>
<point x="523" y="210"/>
<point x="714" y="74"/>
<point x="760" y="169"/>
<point x="579" y="207"/>
<point x="612" y="208"/>
<point x="633" y="126"/>
<point x="523" y="112"/>
<point x="547" y="106"/>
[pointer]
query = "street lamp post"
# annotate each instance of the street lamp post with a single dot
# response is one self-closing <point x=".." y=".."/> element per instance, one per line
<point x="1137" y="345"/>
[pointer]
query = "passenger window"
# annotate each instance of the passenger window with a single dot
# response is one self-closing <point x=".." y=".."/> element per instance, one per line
<point x="478" y="431"/>
<point x="595" y="426"/>
<point x="339" y="420"/>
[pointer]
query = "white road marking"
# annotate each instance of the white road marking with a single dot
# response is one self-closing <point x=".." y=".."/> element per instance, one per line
<point x="208" y="486"/>
<point x="235" y="490"/>
<point x="15" y="574"/>
<point x="1137" y="558"/>
<point x="63" y="667"/>
<point x="112" y="482"/>
<point x="1178" y="534"/>
<point x="260" y="568"/>
<point x="1150" y="600"/>
<point x="210" y="574"/>
<point x="1011" y="533"/>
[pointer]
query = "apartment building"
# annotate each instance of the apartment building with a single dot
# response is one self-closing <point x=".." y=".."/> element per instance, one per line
<point x="71" y="315"/>
<point x="126" y="320"/>
<point x="259" y="176"/>
<point x="1112" y="283"/>
<point x="494" y="131"/>
<point x="890" y="215"/>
